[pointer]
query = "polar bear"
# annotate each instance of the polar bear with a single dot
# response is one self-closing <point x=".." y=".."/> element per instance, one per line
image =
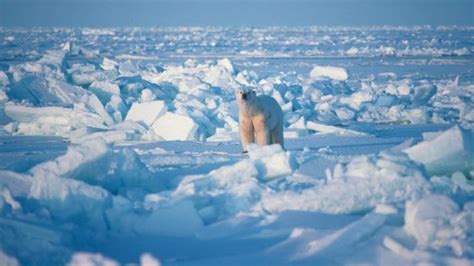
<point x="260" y="119"/>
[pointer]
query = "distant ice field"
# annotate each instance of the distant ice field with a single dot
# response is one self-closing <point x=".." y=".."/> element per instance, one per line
<point x="121" y="146"/>
<point x="417" y="52"/>
<point x="429" y="50"/>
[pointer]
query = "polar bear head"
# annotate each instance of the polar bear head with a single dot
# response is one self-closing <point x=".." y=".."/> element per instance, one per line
<point x="245" y="95"/>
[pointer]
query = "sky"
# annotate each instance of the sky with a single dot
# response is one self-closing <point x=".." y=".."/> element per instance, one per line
<point x="148" y="13"/>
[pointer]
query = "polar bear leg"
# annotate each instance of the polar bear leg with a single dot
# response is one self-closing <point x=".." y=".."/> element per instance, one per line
<point x="246" y="134"/>
<point x="262" y="132"/>
<point x="277" y="135"/>
<point x="263" y="137"/>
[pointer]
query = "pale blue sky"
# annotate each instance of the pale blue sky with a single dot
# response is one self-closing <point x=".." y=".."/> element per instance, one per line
<point x="113" y="13"/>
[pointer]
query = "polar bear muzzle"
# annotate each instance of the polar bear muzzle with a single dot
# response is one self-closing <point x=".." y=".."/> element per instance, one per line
<point x="246" y="95"/>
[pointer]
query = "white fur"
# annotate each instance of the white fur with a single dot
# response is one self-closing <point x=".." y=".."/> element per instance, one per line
<point x="260" y="118"/>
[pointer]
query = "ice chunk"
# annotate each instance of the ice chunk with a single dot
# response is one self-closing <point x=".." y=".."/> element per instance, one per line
<point x="189" y="83"/>
<point x="427" y="217"/>
<point x="345" y="113"/>
<point x="233" y="188"/>
<point x="91" y="259"/>
<point x="146" y="259"/>
<point x="41" y="114"/>
<point x="321" y="72"/>
<point x="7" y="260"/>
<point x="127" y="172"/>
<point x="81" y="161"/>
<point x="51" y="120"/>
<point x="104" y="90"/>
<point x="173" y="126"/>
<point x="92" y="103"/>
<point x="3" y="79"/>
<point x="449" y="152"/>
<point x="116" y="108"/>
<point x="424" y="93"/>
<point x="86" y="78"/>
<point x="360" y="185"/>
<point x="386" y="100"/>
<point x="401" y="90"/>
<point x="127" y="68"/>
<point x="17" y="184"/>
<point x="462" y="182"/>
<point x="271" y="161"/>
<point x="352" y="51"/>
<point x="37" y="90"/>
<point x="130" y="127"/>
<point x="404" y="89"/>
<point x="71" y="200"/>
<point x="146" y="112"/>
<point x="437" y="222"/>
<point x="49" y="91"/>
<point x="147" y="96"/>
<point x="3" y="96"/>
<point x="225" y="62"/>
<point x="95" y="163"/>
<point x="33" y="67"/>
<point x="108" y="64"/>
<point x="53" y="58"/>
<point x="83" y="73"/>
<point x="220" y="75"/>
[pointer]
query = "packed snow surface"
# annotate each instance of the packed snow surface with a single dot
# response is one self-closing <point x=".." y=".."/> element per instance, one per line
<point x="121" y="146"/>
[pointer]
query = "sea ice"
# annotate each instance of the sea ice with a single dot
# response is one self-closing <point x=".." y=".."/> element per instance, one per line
<point x="386" y="101"/>
<point x="4" y="81"/>
<point x="108" y="64"/>
<point x="127" y="68"/>
<point x="7" y="260"/>
<point x="449" y="152"/>
<point x="91" y="259"/>
<point x="362" y="184"/>
<point x="3" y="96"/>
<point x="271" y="161"/>
<point x="336" y="73"/>
<point x="104" y="90"/>
<point x="115" y="183"/>
<point x="423" y="94"/>
<point x="146" y="112"/>
<point x="437" y="222"/>
<point x="327" y="129"/>
<point x="147" y="96"/>
<point x="50" y="120"/>
<point x="173" y="126"/>
<point x="82" y="161"/>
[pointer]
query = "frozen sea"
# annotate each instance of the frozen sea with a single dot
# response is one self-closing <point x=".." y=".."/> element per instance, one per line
<point x="121" y="146"/>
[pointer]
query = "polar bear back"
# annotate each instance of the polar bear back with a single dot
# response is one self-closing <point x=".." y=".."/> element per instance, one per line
<point x="271" y="110"/>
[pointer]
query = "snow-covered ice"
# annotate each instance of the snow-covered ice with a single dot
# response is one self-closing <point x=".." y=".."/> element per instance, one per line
<point x="173" y="126"/>
<point x="330" y="72"/>
<point x="121" y="146"/>
<point x="448" y="152"/>
<point x="146" y="112"/>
